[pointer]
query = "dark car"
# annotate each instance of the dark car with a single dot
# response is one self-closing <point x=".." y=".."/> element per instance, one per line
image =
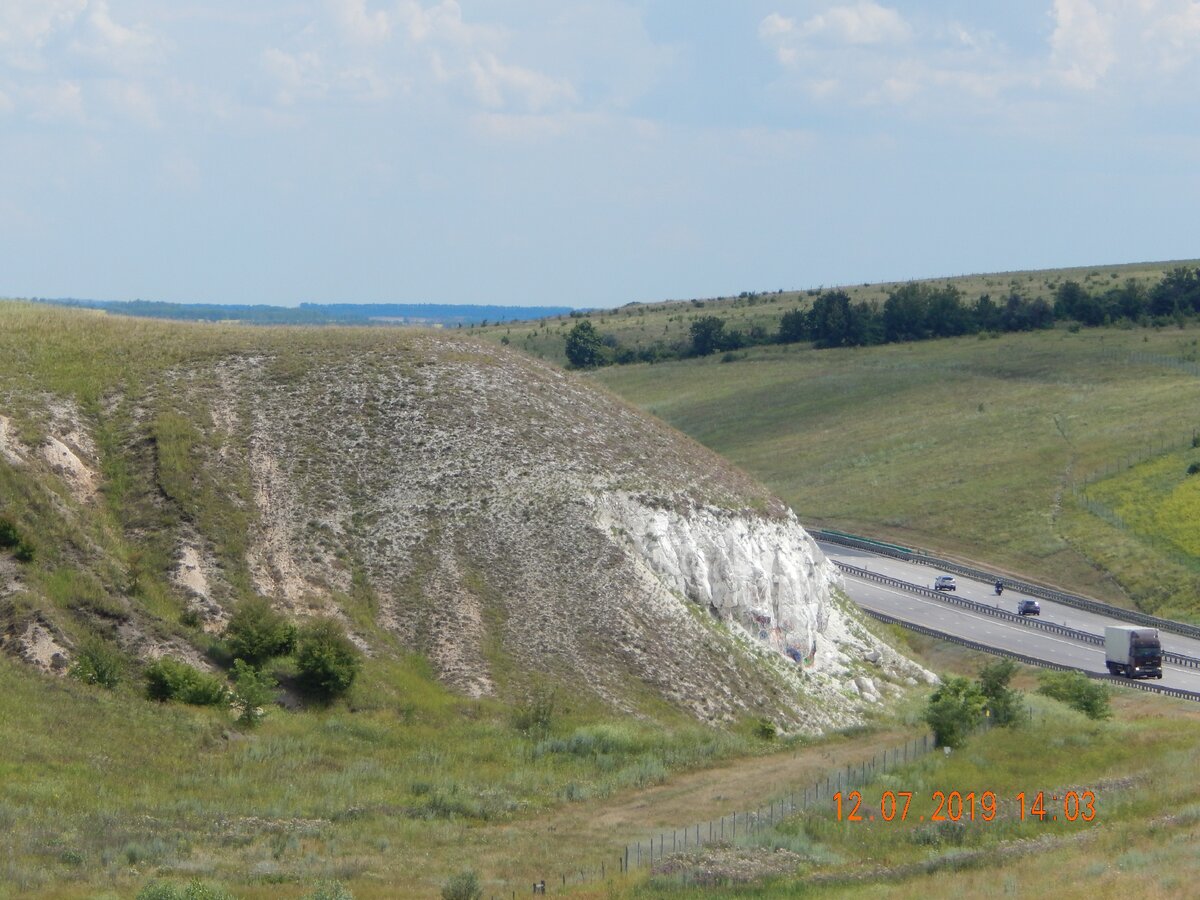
<point x="944" y="583"/>
<point x="1028" y="608"/>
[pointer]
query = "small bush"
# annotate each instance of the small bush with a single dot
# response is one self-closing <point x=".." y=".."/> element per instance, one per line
<point x="954" y="711"/>
<point x="330" y="890"/>
<point x="170" y="679"/>
<point x="463" y="886"/>
<point x="99" y="662"/>
<point x="326" y="661"/>
<point x="1077" y="691"/>
<point x="253" y="690"/>
<point x="535" y="715"/>
<point x="1193" y="468"/>
<point x="193" y="890"/>
<point x="765" y="729"/>
<point x="257" y="633"/>
<point x="10" y="539"/>
<point x="1003" y="703"/>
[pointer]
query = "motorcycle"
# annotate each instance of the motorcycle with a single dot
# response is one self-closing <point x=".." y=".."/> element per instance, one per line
<point x="999" y="588"/>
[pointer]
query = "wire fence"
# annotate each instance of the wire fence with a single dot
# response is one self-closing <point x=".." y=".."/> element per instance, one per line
<point x="731" y="827"/>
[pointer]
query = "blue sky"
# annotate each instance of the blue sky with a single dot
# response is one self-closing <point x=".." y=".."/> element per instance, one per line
<point x="585" y="153"/>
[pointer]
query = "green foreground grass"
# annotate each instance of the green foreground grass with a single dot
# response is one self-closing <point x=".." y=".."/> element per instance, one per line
<point x="970" y="447"/>
<point x="1142" y="838"/>
<point x="389" y="793"/>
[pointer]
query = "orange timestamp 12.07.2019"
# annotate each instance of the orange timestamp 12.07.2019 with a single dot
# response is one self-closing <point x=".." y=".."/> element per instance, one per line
<point x="967" y="806"/>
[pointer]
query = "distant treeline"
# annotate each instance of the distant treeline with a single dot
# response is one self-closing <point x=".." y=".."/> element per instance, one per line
<point x="324" y="313"/>
<point x="912" y="312"/>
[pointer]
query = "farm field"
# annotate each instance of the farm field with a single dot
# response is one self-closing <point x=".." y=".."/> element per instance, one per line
<point x="968" y="446"/>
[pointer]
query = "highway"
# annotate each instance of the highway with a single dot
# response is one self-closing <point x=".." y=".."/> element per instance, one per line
<point x="995" y="632"/>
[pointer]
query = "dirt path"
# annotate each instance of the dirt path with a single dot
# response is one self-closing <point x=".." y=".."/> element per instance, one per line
<point x="581" y="835"/>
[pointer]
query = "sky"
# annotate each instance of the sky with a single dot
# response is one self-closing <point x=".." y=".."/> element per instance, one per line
<point x="587" y="153"/>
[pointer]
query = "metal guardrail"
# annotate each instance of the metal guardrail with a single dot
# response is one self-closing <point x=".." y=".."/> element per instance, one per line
<point x="1033" y="661"/>
<point x="1075" y="634"/>
<point x="1025" y="587"/>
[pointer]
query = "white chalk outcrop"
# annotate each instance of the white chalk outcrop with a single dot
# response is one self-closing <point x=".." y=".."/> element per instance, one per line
<point x="763" y="577"/>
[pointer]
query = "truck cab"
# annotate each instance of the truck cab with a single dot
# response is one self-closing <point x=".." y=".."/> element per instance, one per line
<point x="1132" y="652"/>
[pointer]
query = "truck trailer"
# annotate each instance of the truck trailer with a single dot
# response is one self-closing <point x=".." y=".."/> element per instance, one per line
<point x="1132" y="652"/>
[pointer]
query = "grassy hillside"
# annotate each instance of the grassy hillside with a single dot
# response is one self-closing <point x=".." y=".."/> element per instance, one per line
<point x="434" y="496"/>
<point x="968" y="446"/>
<point x="640" y="325"/>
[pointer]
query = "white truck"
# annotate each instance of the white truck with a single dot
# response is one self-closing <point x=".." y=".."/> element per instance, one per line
<point x="1132" y="652"/>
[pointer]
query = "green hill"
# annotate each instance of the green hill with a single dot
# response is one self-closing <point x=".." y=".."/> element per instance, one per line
<point x="970" y="446"/>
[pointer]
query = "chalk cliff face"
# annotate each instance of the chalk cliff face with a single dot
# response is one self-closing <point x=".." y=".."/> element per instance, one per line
<point x="499" y="516"/>
<point x="766" y="576"/>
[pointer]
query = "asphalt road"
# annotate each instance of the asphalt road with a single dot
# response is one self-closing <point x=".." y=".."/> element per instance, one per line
<point x="995" y="632"/>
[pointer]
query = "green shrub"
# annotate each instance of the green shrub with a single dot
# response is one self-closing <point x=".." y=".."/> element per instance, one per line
<point x="193" y="890"/>
<point x="257" y="633"/>
<point x="535" y="715"/>
<point x="11" y="539"/>
<point x="1193" y="468"/>
<point x="954" y="711"/>
<point x="765" y="729"/>
<point x="170" y="679"/>
<point x="253" y="690"/>
<point x="463" y="886"/>
<point x="98" y="662"/>
<point x="326" y="661"/>
<point x="1077" y="691"/>
<point x="330" y="890"/>
<point x="1003" y="703"/>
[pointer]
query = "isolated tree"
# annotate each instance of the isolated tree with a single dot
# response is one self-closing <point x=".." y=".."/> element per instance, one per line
<point x="1003" y="703"/>
<point x="954" y="711"/>
<point x="253" y="690"/>
<point x="583" y="346"/>
<point x="326" y="660"/>
<point x="708" y="335"/>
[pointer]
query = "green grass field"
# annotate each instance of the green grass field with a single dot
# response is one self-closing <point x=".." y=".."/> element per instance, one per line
<point x="968" y="446"/>
<point x="1145" y="819"/>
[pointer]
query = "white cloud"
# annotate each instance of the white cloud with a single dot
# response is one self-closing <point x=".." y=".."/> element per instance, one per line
<point x="360" y="25"/>
<point x="498" y="86"/>
<point x="27" y="25"/>
<point x="298" y="76"/>
<point x="62" y="100"/>
<point x="132" y="100"/>
<point x="1082" y="44"/>
<point x="863" y="23"/>
<point x="1175" y="35"/>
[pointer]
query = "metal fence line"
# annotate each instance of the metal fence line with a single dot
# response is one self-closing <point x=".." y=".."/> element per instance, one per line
<point x="646" y="852"/>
